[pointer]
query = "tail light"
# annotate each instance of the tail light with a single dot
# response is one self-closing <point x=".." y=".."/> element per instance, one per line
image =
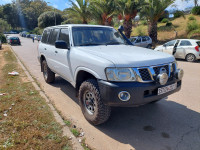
<point x="197" y="48"/>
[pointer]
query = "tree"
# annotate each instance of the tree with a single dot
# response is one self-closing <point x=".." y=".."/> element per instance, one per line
<point x="48" y="19"/>
<point x="103" y="11"/>
<point x="4" y="26"/>
<point x="79" y="10"/>
<point x="153" y="11"/>
<point x="128" y="9"/>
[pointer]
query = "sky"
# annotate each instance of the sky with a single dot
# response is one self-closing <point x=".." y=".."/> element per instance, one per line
<point x="62" y="4"/>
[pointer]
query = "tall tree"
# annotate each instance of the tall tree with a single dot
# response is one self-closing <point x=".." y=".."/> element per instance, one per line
<point x="79" y="10"/>
<point x="153" y="11"/>
<point x="103" y="11"/>
<point x="128" y="9"/>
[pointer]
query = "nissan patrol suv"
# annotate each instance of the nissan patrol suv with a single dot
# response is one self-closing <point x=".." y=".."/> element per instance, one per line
<point x="105" y="69"/>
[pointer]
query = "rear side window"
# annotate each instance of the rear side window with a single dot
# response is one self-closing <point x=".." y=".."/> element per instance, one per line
<point x="198" y="43"/>
<point x="138" y="40"/>
<point x="53" y="36"/>
<point x="45" y="36"/>
<point x="144" y="39"/>
<point x="185" y="43"/>
<point x="64" y="35"/>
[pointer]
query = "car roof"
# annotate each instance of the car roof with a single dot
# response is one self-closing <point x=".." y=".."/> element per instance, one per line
<point x="77" y="25"/>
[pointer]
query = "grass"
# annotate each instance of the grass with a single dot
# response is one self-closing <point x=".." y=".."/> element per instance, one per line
<point x="29" y="123"/>
<point x="75" y="132"/>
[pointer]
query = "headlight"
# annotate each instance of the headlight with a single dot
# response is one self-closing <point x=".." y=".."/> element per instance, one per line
<point x="120" y="74"/>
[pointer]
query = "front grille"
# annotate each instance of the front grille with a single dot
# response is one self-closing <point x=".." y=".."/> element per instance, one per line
<point x="144" y="73"/>
<point x="157" y="69"/>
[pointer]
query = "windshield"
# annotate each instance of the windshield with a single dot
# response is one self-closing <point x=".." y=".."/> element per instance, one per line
<point x="87" y="36"/>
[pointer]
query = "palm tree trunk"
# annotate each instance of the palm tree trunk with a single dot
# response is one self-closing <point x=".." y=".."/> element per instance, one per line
<point x="152" y="29"/>
<point x="127" y="27"/>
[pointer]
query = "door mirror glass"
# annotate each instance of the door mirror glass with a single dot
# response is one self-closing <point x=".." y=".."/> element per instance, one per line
<point x="61" y="44"/>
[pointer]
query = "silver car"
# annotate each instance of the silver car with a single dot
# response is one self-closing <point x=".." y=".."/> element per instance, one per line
<point x="187" y="49"/>
<point x="141" y="41"/>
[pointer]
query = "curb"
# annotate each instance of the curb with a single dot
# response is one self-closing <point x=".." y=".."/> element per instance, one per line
<point x="66" y="131"/>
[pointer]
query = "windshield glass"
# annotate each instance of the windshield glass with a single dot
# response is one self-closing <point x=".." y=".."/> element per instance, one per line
<point x="87" y="36"/>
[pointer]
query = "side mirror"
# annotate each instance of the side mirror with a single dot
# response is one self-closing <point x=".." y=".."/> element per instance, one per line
<point x="121" y="28"/>
<point x="61" y="44"/>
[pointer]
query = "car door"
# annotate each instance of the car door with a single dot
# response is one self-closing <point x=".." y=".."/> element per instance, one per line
<point x="138" y="41"/>
<point x="182" y="48"/>
<point x="169" y="46"/>
<point x="63" y="56"/>
<point x="144" y="42"/>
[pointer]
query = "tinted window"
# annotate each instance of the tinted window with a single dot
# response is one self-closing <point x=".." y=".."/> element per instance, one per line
<point x="45" y="36"/>
<point x="138" y="40"/>
<point x="185" y="43"/>
<point x="170" y="43"/>
<point x="64" y="35"/>
<point x="133" y="39"/>
<point x="144" y="39"/>
<point x="53" y="36"/>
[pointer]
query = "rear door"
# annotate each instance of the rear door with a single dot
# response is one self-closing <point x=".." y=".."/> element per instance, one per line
<point x="183" y="48"/>
<point x="144" y="42"/>
<point x="138" y="41"/>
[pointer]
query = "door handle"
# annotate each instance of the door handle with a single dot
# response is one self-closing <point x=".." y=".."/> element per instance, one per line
<point x="56" y="51"/>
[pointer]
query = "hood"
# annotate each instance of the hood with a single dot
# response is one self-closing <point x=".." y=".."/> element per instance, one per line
<point x="128" y="56"/>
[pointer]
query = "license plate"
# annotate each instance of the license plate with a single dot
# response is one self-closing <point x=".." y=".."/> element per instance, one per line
<point x="166" y="89"/>
<point x="15" y="40"/>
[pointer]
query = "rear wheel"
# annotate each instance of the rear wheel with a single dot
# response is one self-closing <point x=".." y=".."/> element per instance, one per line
<point x="149" y="46"/>
<point x="49" y="76"/>
<point x="91" y="105"/>
<point x="190" y="58"/>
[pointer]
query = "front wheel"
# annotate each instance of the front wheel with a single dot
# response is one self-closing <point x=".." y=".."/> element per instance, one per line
<point x="49" y="76"/>
<point x="91" y="105"/>
<point x="190" y="58"/>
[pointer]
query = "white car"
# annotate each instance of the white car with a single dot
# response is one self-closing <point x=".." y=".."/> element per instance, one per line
<point x="187" y="49"/>
<point x="105" y="70"/>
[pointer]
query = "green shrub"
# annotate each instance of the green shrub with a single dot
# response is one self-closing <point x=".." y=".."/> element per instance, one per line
<point x="140" y="31"/>
<point x="168" y="24"/>
<point x="165" y="20"/>
<point x="193" y="33"/>
<point x="144" y="22"/>
<point x="3" y="38"/>
<point x="192" y="18"/>
<point x="191" y="26"/>
<point x="179" y="14"/>
<point x="196" y="10"/>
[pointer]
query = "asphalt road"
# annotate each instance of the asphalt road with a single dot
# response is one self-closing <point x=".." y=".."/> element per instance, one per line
<point x="170" y="124"/>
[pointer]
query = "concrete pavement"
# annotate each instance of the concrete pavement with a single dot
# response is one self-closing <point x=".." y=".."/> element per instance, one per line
<point x="171" y="124"/>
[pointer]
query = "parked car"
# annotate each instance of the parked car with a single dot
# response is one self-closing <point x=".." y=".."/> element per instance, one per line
<point x="141" y="41"/>
<point x="13" y="41"/>
<point x="28" y="36"/>
<point x="104" y="70"/>
<point x="0" y="45"/>
<point x="187" y="49"/>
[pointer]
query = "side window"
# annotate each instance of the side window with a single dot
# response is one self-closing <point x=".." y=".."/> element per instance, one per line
<point x="185" y="43"/>
<point x="144" y="39"/>
<point x="53" y="36"/>
<point x="170" y="43"/>
<point x="44" y="36"/>
<point x="138" y="40"/>
<point x="64" y="35"/>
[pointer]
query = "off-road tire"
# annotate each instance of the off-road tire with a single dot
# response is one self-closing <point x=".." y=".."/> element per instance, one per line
<point x="189" y="58"/>
<point x="49" y="76"/>
<point x="102" y="112"/>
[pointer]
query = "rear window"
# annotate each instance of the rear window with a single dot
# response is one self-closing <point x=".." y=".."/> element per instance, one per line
<point x="198" y="43"/>
<point x="14" y="38"/>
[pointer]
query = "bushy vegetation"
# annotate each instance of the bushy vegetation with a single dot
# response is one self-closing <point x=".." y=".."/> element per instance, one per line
<point x="3" y="38"/>
<point x="192" y="25"/>
<point x="165" y="20"/>
<point x="140" y="31"/>
<point x="191" y="18"/>
<point x="4" y="26"/>
<point x="144" y="22"/>
<point x="178" y="14"/>
<point x="168" y="24"/>
<point x="196" y="10"/>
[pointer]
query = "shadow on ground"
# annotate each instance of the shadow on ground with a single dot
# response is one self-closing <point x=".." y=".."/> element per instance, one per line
<point x="165" y="125"/>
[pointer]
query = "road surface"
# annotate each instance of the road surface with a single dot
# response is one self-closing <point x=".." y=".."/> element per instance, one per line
<point x="170" y="124"/>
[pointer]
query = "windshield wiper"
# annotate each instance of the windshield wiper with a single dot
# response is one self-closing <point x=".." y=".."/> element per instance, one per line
<point x="89" y="44"/>
<point x="114" y="43"/>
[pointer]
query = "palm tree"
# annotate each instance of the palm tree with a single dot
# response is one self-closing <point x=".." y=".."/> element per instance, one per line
<point x="152" y="12"/>
<point x="128" y="9"/>
<point x="79" y="10"/>
<point x="103" y="11"/>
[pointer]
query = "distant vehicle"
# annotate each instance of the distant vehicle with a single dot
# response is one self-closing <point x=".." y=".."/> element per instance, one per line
<point x="13" y="41"/>
<point x="141" y="41"/>
<point x="32" y="35"/>
<point x="0" y="44"/>
<point x="38" y="37"/>
<point x="187" y="49"/>
<point x="28" y="36"/>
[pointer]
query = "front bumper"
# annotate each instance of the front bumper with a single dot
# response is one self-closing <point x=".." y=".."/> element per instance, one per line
<point x="141" y="93"/>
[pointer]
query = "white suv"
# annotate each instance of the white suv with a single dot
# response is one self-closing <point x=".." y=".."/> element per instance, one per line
<point x="105" y="70"/>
